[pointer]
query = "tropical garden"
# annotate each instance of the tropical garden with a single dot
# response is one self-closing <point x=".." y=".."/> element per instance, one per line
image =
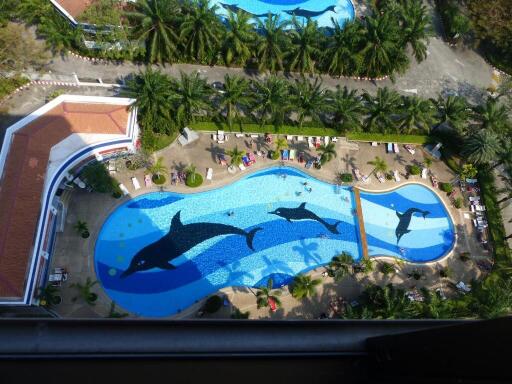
<point x="171" y="31"/>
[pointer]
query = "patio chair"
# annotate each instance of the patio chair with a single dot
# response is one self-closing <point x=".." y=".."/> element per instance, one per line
<point x="310" y="142"/>
<point x="300" y="138"/>
<point x="289" y="137"/>
<point x="292" y="154"/>
<point x="334" y="139"/>
<point x="209" y="174"/>
<point x="424" y="172"/>
<point x="147" y="181"/>
<point x="396" y="175"/>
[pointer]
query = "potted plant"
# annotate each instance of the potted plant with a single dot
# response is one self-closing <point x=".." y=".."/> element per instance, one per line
<point x="48" y="296"/>
<point x="84" y="291"/>
<point x="82" y="229"/>
<point x="158" y="169"/>
<point x="193" y="179"/>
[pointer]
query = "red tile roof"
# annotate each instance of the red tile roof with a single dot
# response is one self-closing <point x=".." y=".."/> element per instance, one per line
<point x="23" y="178"/>
<point x="75" y="7"/>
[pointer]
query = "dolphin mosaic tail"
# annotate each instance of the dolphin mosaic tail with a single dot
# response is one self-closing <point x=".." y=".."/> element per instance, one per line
<point x="250" y="237"/>
<point x="333" y="227"/>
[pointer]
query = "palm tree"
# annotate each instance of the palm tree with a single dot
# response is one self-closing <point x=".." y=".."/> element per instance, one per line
<point x="308" y="99"/>
<point x="272" y="41"/>
<point x="265" y="294"/>
<point x="482" y="147"/>
<point x="381" y="109"/>
<point x="416" y="114"/>
<point x="493" y="116"/>
<point x="272" y="100"/>
<point x="491" y="298"/>
<point x="191" y="172"/>
<point x="58" y="35"/>
<point x="236" y="156"/>
<point x="239" y="37"/>
<point x="347" y="109"/>
<point x="81" y="227"/>
<point x="153" y="22"/>
<point x="235" y="96"/>
<point x="158" y="168"/>
<point x="200" y="31"/>
<point x="151" y="90"/>
<point x="305" y="49"/>
<point x="388" y="302"/>
<point x="379" y="165"/>
<point x="327" y="152"/>
<point x="341" y="55"/>
<point x="452" y="111"/>
<point x="367" y="264"/>
<point x="304" y="286"/>
<point x="415" y="22"/>
<point x="190" y="96"/>
<point x="84" y="291"/>
<point x="382" y="53"/>
<point x="281" y="143"/>
<point x="340" y="266"/>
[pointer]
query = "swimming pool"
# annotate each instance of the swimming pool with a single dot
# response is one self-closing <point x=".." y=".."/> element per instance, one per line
<point x="320" y="10"/>
<point x="159" y="253"/>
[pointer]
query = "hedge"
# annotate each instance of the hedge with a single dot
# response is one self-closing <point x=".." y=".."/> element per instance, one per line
<point x="256" y="128"/>
<point x="388" y="138"/>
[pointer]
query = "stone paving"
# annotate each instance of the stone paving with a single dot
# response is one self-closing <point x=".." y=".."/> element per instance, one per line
<point x="76" y="254"/>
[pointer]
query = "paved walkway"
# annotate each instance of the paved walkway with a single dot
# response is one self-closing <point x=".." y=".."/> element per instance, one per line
<point x="94" y="208"/>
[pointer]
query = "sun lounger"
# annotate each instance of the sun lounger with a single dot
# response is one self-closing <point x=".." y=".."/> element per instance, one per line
<point x="147" y="181"/>
<point x="334" y="139"/>
<point x="272" y="304"/>
<point x="284" y="154"/>
<point x="410" y="149"/>
<point x="246" y="161"/>
<point x="317" y="142"/>
<point x="209" y="174"/>
<point x="310" y="142"/>
<point x="474" y="198"/>
<point x="326" y="140"/>
<point x="251" y="157"/>
<point x="220" y="137"/>
<point x="111" y="166"/>
<point x="309" y="164"/>
<point x="135" y="183"/>
<point x="435" y="183"/>
<point x="241" y="166"/>
<point x="232" y="169"/>
<point x="300" y="138"/>
<point x="471" y="181"/>
<point x="292" y="154"/>
<point x="424" y="173"/>
<point x="396" y="149"/>
<point x="389" y="147"/>
<point x="366" y="179"/>
<point x="289" y="137"/>
<point x="123" y="189"/>
<point x="374" y="144"/>
<point x="239" y="135"/>
<point x="463" y="287"/>
<point x="357" y="174"/>
<point x="396" y="175"/>
<point x="214" y="137"/>
<point x="255" y="136"/>
<point x="380" y="177"/>
<point x="79" y="182"/>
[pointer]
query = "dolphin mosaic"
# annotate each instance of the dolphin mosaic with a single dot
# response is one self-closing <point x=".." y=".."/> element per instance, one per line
<point x="235" y="8"/>
<point x="181" y="238"/>
<point x="405" y="220"/>
<point x="308" y="14"/>
<point x="301" y="213"/>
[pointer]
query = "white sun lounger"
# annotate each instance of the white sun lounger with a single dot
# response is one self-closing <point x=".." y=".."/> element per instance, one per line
<point x="334" y="139"/>
<point x="396" y="149"/>
<point x="475" y="198"/>
<point x="289" y="137"/>
<point x="380" y="177"/>
<point x="255" y="136"/>
<point x="209" y="174"/>
<point x="123" y="189"/>
<point x="326" y="140"/>
<point x="220" y="137"/>
<point x="310" y="142"/>
<point x="357" y="174"/>
<point x="241" y="166"/>
<point x="135" y="183"/>
<point x="366" y="179"/>
<point x="396" y="175"/>
<point x="292" y="154"/>
<point x="374" y="144"/>
<point x="424" y="173"/>
<point x="300" y="138"/>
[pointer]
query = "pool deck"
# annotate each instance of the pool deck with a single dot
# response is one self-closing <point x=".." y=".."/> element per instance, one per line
<point x="77" y="255"/>
<point x="360" y="221"/>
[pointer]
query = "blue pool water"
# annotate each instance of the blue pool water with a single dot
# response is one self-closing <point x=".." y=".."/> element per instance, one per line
<point x="159" y="253"/>
<point x="320" y="10"/>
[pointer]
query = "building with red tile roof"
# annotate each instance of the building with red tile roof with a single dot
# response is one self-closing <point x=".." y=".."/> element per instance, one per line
<point x="37" y="156"/>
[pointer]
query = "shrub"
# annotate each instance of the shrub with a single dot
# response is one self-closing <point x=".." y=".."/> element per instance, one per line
<point x="158" y="179"/>
<point x="464" y="256"/>
<point x="387" y="268"/>
<point x="194" y="180"/>
<point x="97" y="176"/>
<point x="458" y="202"/>
<point x="445" y="272"/>
<point x="346" y="177"/>
<point x="414" y="170"/>
<point x="446" y="187"/>
<point x="212" y="304"/>
<point x="275" y="155"/>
